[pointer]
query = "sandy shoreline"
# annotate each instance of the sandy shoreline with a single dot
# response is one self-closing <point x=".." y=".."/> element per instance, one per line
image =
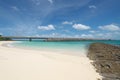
<point x="21" y="64"/>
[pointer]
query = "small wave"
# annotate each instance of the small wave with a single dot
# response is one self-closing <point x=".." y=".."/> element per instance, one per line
<point x="7" y="45"/>
<point x="10" y="44"/>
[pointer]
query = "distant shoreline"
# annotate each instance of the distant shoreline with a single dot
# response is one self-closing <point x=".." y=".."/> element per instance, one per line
<point x="50" y="38"/>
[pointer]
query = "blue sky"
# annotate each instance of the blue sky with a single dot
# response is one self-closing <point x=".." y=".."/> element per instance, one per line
<point x="60" y="18"/>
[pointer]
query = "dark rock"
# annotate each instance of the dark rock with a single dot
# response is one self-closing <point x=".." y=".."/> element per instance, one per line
<point x="106" y="60"/>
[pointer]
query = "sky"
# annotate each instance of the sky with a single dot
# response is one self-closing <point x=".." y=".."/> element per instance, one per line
<point x="61" y="18"/>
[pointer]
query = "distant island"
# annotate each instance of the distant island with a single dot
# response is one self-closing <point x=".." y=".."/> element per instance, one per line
<point x="4" y="39"/>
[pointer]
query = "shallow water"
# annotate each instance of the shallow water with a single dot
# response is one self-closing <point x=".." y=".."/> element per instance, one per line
<point x="72" y="47"/>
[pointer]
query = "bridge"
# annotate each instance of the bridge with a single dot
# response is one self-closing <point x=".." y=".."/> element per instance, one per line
<point x="21" y="37"/>
<point x="45" y="38"/>
<point x="50" y="38"/>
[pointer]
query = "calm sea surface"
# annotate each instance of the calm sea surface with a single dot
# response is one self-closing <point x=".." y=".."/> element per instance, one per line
<point x="75" y="47"/>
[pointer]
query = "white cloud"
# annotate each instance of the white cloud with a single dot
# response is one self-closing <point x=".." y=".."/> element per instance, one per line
<point x="48" y="27"/>
<point x="99" y="34"/>
<point x="87" y="36"/>
<point x="110" y="27"/>
<point x="15" y="8"/>
<point x="1" y="34"/>
<point x="92" y="7"/>
<point x="107" y="35"/>
<point x="92" y="31"/>
<point x="104" y="35"/>
<point x="117" y="33"/>
<point x="36" y="2"/>
<point x="46" y="35"/>
<point x="51" y="1"/>
<point x="81" y="27"/>
<point x="53" y="35"/>
<point x="67" y="31"/>
<point x="67" y="22"/>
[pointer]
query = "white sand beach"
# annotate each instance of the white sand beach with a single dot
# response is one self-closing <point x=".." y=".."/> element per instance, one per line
<point x="24" y="64"/>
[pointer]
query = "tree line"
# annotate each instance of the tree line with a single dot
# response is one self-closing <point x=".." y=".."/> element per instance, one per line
<point x="4" y="39"/>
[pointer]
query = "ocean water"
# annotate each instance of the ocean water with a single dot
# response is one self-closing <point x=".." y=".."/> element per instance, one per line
<point x="71" y="47"/>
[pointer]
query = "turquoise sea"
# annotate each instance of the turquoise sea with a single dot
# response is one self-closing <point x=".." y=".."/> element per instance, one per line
<point x="71" y="47"/>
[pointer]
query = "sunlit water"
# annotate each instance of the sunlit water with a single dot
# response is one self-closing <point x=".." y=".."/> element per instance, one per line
<point x="72" y="47"/>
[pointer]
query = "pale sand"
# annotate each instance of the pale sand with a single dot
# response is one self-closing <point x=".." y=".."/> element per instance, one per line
<point x="23" y="64"/>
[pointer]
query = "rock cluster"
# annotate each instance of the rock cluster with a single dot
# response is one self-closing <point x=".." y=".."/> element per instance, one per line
<point x="106" y="60"/>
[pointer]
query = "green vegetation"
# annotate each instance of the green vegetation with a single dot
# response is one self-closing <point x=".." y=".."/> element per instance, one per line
<point x="4" y="39"/>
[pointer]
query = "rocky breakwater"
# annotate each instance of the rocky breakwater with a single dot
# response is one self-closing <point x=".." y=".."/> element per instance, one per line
<point x="106" y="60"/>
